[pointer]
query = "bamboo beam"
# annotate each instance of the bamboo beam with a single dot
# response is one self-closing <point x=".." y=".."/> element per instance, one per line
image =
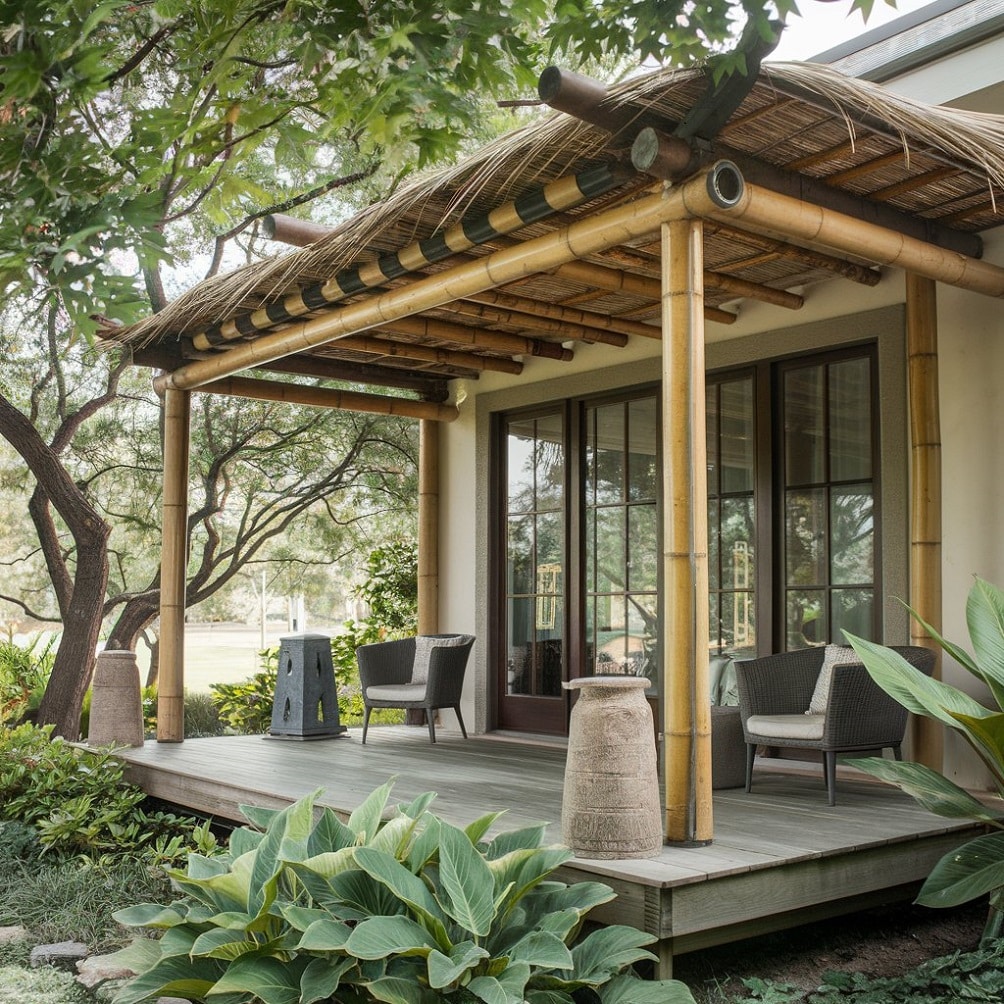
<point x="754" y="290"/>
<point x="565" y="330"/>
<point x="762" y="210"/>
<point x="925" y="492"/>
<point x="290" y="230"/>
<point x="389" y="349"/>
<point x="464" y="334"/>
<point x="912" y="184"/>
<point x="173" y="569"/>
<point x="326" y="397"/>
<point x="428" y="528"/>
<point x="813" y="259"/>
<point x="564" y="193"/>
<point x="686" y="698"/>
<point x="716" y="187"/>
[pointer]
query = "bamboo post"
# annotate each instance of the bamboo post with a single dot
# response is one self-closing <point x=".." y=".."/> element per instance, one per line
<point x="686" y="699"/>
<point x="428" y="528"/>
<point x="925" y="491"/>
<point x="173" y="566"/>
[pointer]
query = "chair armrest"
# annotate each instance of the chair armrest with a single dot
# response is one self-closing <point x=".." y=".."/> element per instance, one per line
<point x="385" y="662"/>
<point x="447" y="666"/>
<point x="779" y="684"/>
<point x="859" y="712"/>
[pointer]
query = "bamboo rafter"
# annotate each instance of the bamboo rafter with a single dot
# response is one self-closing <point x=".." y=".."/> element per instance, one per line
<point x="390" y="349"/>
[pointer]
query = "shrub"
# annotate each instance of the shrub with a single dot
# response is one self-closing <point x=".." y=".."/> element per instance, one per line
<point x="406" y="910"/>
<point x="246" y="707"/>
<point x="202" y="717"/>
<point x="24" y="673"/>
<point x="79" y="802"/>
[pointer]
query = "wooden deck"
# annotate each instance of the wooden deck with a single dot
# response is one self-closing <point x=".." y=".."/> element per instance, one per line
<point x="780" y="857"/>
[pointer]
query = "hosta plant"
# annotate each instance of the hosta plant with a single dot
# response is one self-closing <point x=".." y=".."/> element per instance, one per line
<point x="395" y="906"/>
<point x="977" y="868"/>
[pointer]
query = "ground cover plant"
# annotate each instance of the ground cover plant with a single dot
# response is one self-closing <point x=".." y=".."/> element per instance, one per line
<point x="977" y="868"/>
<point x="401" y="907"/>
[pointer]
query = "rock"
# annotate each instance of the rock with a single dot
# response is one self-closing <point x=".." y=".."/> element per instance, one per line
<point x="8" y="935"/>
<point x="99" y="968"/>
<point x="65" y="955"/>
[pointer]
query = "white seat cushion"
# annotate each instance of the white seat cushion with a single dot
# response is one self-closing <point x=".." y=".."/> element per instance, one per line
<point x="424" y="644"/>
<point x="397" y="692"/>
<point x="809" y="727"/>
<point x="835" y="655"/>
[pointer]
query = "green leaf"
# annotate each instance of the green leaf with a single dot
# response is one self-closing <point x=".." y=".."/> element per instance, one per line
<point x="523" y="869"/>
<point x="425" y="846"/>
<point x="548" y="997"/>
<point x="933" y="791"/>
<point x="408" y="888"/>
<point x="365" y="819"/>
<point x="609" y="950"/>
<point x="322" y="978"/>
<point x="543" y="949"/>
<point x="985" y="619"/>
<point x="987" y="736"/>
<point x="447" y="969"/>
<point x="476" y="830"/>
<point x="301" y="917"/>
<point x="395" y="990"/>
<point x="272" y="981"/>
<point x="417" y="806"/>
<point x="966" y="873"/>
<point x="326" y="935"/>
<point x="148" y="915"/>
<point x="466" y="883"/>
<point x="506" y="988"/>
<point x="527" y="838"/>
<point x="394" y="836"/>
<point x="628" y="989"/>
<point x="378" y="937"/>
<point x="176" y="976"/>
<point x="329" y="834"/>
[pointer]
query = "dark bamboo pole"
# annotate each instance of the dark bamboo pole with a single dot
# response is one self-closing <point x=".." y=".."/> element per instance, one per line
<point x="428" y="528"/>
<point x="686" y="699"/>
<point x="925" y="491"/>
<point x="173" y="568"/>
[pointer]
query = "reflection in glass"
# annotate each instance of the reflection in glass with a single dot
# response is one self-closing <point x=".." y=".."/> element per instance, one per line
<point x="736" y="449"/>
<point x="805" y="537"/>
<point x="807" y="618"/>
<point x="853" y="610"/>
<point x="608" y="445"/>
<point x="852" y="535"/>
<point x="643" y="468"/>
<point x="804" y="451"/>
<point x="643" y="563"/>
<point x="549" y="457"/>
<point x="850" y="420"/>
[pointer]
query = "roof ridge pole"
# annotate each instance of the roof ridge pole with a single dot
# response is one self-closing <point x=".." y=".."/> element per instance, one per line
<point x="540" y="254"/>
<point x="686" y="700"/>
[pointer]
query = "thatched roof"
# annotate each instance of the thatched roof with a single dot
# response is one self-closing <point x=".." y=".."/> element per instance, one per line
<point x="802" y="123"/>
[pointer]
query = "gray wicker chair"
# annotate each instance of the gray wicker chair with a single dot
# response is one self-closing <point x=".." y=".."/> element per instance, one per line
<point x="385" y="673"/>
<point x="775" y="692"/>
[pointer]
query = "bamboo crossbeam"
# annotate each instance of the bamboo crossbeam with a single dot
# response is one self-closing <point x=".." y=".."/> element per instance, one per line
<point x="912" y="184"/>
<point x="173" y="568"/>
<point x="588" y="318"/>
<point x="564" y="193"/>
<point x="565" y="330"/>
<point x="389" y="349"/>
<point x="778" y="215"/>
<point x="327" y="397"/>
<point x="863" y="170"/>
<point x="541" y="254"/>
<point x="290" y="230"/>
<point x="464" y="334"/>
<point x="753" y="290"/>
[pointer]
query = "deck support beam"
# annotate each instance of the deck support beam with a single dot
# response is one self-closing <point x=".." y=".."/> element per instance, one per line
<point x="925" y="492"/>
<point x="686" y="700"/>
<point x="173" y="567"/>
<point x="428" y="527"/>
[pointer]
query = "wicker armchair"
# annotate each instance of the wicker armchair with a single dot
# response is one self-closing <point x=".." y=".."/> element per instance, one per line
<point x="775" y="693"/>
<point x="388" y="681"/>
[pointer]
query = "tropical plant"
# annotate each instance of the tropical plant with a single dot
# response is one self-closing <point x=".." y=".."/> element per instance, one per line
<point x="976" y="868"/>
<point x="406" y="909"/>
<point x="245" y="707"/>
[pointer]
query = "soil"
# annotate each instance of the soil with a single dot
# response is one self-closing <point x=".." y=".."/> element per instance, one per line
<point x="886" y="941"/>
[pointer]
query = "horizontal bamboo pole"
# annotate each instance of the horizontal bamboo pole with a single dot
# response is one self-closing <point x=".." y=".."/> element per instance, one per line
<point x="768" y="212"/>
<point x="326" y="397"/>
<point x="465" y="334"/>
<point x="564" y="330"/>
<point x="584" y="237"/>
<point x="753" y="290"/>
<point x="387" y="348"/>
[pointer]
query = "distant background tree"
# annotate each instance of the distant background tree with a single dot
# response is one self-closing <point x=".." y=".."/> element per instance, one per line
<point x="141" y="140"/>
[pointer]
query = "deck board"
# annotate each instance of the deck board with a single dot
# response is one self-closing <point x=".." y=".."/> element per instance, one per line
<point x="780" y="855"/>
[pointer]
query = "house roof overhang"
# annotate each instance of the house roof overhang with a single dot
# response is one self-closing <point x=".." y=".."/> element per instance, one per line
<point x="549" y="236"/>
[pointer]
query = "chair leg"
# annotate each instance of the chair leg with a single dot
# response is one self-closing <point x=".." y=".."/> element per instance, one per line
<point x="366" y="722"/>
<point x="750" y="754"/>
<point x="830" y="761"/>
<point x="460" y="719"/>
<point x="430" y="717"/>
<point x="897" y="752"/>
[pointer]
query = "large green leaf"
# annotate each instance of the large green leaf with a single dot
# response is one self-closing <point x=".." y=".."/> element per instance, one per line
<point x="322" y="977"/>
<point x="301" y="917"/>
<point x="549" y="997"/>
<point x="200" y="867"/>
<point x="329" y="834"/>
<point x="417" y="806"/>
<point x="467" y="887"/>
<point x="543" y="949"/>
<point x="365" y="896"/>
<point x="608" y="950"/>
<point x="223" y="944"/>
<point x="396" y="990"/>
<point x="508" y="987"/>
<point x="379" y="937"/>
<point x="523" y="869"/>
<point x="918" y="693"/>
<point x="527" y="838"/>
<point x="272" y="981"/>
<point x="327" y="935"/>
<point x="365" y="819"/>
<point x="966" y="873"/>
<point x="395" y="836"/>
<point x="476" y="830"/>
<point x="425" y="846"/>
<point x="987" y="737"/>
<point x="327" y="864"/>
<point x="149" y="915"/>
<point x="447" y="969"/>
<point x="627" y="989"/>
<point x="258" y="816"/>
<point x="408" y="888"/>
<point x="177" y="976"/>
<point x="985" y="619"/>
<point x="931" y="789"/>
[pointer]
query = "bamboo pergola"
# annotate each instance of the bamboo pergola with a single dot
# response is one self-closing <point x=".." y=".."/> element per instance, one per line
<point x="648" y="210"/>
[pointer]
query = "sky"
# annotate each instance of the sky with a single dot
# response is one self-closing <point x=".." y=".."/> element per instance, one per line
<point x="825" y="25"/>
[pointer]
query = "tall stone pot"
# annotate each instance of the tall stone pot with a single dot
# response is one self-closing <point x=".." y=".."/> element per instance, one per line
<point x="610" y="807"/>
